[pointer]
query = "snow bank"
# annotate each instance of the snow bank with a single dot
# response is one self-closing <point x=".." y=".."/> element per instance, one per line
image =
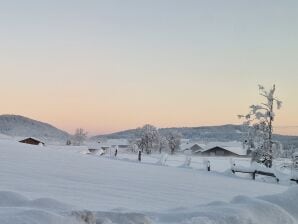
<point x="17" y="209"/>
<point x="274" y="209"/>
<point x="121" y="218"/>
<point x="287" y="201"/>
<point x="270" y="209"/>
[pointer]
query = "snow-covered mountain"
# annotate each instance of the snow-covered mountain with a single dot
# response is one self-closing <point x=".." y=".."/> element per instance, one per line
<point x="19" y="126"/>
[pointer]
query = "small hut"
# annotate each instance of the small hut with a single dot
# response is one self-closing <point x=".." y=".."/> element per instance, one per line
<point x="32" y="141"/>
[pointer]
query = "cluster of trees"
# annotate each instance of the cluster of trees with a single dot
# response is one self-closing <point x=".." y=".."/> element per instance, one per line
<point x="79" y="137"/>
<point x="149" y="139"/>
<point x="259" y="125"/>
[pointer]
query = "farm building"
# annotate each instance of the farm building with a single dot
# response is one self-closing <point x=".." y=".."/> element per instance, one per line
<point x="32" y="141"/>
<point x="224" y="149"/>
<point x="214" y="149"/>
<point x="219" y="151"/>
<point x="192" y="147"/>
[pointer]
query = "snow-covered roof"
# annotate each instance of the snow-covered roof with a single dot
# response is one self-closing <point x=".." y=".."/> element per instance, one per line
<point x="188" y="145"/>
<point x="234" y="147"/>
<point x="24" y="138"/>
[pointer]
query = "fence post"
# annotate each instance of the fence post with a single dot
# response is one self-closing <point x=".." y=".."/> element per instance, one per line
<point x="140" y="156"/>
<point x="208" y="166"/>
<point x="254" y="175"/>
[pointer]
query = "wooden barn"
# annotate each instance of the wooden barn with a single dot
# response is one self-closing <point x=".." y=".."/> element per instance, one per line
<point x="32" y="141"/>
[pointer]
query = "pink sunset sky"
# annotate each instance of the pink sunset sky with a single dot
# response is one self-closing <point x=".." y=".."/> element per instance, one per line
<point x="106" y="66"/>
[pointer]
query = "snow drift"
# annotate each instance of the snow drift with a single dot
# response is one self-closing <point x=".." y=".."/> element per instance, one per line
<point x="272" y="209"/>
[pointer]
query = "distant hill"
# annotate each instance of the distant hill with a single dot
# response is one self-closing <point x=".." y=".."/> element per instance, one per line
<point x="204" y="134"/>
<point x="19" y="126"/>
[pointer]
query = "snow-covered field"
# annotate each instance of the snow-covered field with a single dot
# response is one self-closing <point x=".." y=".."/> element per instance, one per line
<point x="59" y="184"/>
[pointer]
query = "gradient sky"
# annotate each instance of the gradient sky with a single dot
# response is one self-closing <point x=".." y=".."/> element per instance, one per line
<point x="112" y="65"/>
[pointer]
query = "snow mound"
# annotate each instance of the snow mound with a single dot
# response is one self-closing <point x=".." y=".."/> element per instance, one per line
<point x="121" y="218"/>
<point x="12" y="199"/>
<point x="17" y="209"/>
<point x="33" y="216"/>
<point x="287" y="201"/>
<point x="274" y="209"/>
<point x="9" y="199"/>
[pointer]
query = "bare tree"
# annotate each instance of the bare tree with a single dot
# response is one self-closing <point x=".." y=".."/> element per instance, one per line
<point x="80" y="136"/>
<point x="259" y="123"/>
<point x="174" y="140"/>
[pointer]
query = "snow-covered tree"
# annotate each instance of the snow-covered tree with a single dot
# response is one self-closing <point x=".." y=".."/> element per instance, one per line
<point x="259" y="123"/>
<point x="148" y="138"/>
<point x="174" y="140"/>
<point x="162" y="143"/>
<point x="79" y="137"/>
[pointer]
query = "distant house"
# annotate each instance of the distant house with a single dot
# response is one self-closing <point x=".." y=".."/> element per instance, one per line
<point x="97" y="148"/>
<point x="214" y="149"/>
<point x="115" y="143"/>
<point x="218" y="151"/>
<point x="192" y="147"/>
<point x="32" y="141"/>
<point x="118" y="143"/>
<point x="224" y="149"/>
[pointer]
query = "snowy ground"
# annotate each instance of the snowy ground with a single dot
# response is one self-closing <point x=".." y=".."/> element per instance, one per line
<point x="57" y="184"/>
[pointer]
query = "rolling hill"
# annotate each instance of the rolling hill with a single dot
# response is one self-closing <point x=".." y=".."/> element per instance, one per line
<point x="19" y="126"/>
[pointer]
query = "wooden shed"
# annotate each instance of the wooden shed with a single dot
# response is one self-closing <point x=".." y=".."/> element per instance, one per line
<point x="32" y="141"/>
